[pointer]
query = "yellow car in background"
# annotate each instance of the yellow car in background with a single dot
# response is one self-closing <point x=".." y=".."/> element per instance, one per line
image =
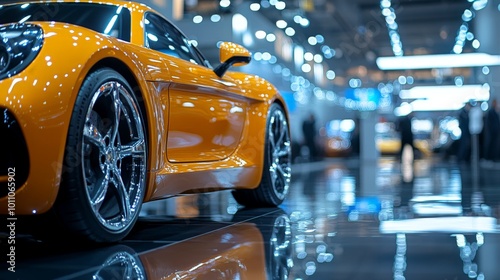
<point x="390" y="144"/>
<point x="106" y="104"/>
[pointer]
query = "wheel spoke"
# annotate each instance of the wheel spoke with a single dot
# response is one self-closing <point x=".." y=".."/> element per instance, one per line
<point x="282" y="133"/>
<point x="274" y="171"/>
<point x="280" y="170"/>
<point x="100" y="194"/>
<point x="117" y="104"/>
<point x="135" y="149"/>
<point x="283" y="152"/>
<point x="123" y="196"/>
<point x="92" y="135"/>
<point x="271" y="139"/>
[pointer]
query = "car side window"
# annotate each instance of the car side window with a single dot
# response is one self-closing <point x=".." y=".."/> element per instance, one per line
<point x="162" y="36"/>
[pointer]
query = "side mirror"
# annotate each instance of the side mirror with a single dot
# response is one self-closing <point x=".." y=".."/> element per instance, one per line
<point x="231" y="54"/>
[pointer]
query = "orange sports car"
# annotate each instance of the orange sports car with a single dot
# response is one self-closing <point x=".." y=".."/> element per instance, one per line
<point x="105" y="105"/>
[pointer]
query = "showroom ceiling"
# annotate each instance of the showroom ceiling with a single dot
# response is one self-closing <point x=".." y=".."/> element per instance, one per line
<point x="358" y="32"/>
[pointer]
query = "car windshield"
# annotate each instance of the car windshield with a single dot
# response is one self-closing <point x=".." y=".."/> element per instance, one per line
<point x="107" y="19"/>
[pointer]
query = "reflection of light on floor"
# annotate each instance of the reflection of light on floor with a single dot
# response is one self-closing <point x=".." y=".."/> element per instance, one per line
<point x="407" y="164"/>
<point x="407" y="156"/>
<point x="436" y="208"/>
<point x="441" y="224"/>
<point x="400" y="258"/>
<point x="431" y="205"/>
<point x="468" y="252"/>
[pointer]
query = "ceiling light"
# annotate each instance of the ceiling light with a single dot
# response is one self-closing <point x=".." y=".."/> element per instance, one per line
<point x="240" y="23"/>
<point x="320" y="38"/>
<point x="260" y="34"/>
<point x="224" y="3"/>
<point x="459" y="81"/>
<point x="479" y="4"/>
<point x="441" y="95"/>
<point x="312" y="41"/>
<point x="385" y="3"/>
<point x="308" y="56"/>
<point x="304" y="22"/>
<point x="197" y="19"/>
<point x="266" y="56"/>
<point x="255" y="7"/>
<point x="298" y="55"/>
<point x="318" y="58"/>
<point x="215" y="18"/>
<point x="281" y="24"/>
<point x="437" y="61"/>
<point x="290" y="31"/>
<point x="423" y="105"/>
<point x="476" y="44"/>
<point x="280" y="5"/>
<point x="485" y="70"/>
<point x="271" y="37"/>
<point x="330" y="74"/>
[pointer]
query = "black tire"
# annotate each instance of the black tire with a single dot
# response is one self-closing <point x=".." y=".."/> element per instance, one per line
<point x="276" y="174"/>
<point x="104" y="171"/>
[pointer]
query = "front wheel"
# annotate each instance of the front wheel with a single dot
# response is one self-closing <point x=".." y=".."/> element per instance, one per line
<point x="104" y="172"/>
<point x="276" y="174"/>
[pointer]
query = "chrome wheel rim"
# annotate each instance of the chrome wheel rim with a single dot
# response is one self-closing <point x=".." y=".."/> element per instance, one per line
<point x="280" y="153"/>
<point x="121" y="265"/>
<point x="114" y="156"/>
<point x="281" y="241"/>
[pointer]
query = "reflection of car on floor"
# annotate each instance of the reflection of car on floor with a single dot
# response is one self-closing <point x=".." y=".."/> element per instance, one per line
<point x="241" y="251"/>
<point x="259" y="248"/>
<point x="390" y="144"/>
<point x="106" y="104"/>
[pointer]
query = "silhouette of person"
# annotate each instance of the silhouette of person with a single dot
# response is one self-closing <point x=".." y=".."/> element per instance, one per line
<point x="405" y="130"/>
<point x="309" y="132"/>
<point x="492" y="133"/>
<point x="464" y="146"/>
<point x="355" y="140"/>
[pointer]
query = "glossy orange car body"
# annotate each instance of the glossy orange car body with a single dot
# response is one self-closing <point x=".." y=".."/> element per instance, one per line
<point x="236" y="252"/>
<point x="198" y="124"/>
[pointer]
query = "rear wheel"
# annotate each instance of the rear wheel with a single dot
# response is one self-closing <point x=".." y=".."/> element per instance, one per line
<point x="104" y="172"/>
<point x="277" y="164"/>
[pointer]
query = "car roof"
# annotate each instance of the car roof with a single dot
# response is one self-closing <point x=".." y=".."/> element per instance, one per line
<point x="125" y="4"/>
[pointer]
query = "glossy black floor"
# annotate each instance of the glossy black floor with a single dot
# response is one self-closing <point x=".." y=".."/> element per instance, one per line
<point x="343" y="219"/>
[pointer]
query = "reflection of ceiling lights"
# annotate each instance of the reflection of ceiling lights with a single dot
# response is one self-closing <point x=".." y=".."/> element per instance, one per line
<point x="441" y="224"/>
<point x="437" y="61"/>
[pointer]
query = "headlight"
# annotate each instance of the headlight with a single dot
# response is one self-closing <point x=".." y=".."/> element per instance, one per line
<point x="19" y="45"/>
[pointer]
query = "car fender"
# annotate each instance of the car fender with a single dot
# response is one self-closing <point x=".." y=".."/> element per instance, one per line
<point x="48" y="87"/>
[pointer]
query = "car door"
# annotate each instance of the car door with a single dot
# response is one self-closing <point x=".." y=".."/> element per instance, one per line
<point x="206" y="114"/>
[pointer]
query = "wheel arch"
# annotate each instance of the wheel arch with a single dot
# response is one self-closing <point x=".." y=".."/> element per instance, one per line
<point x="123" y="69"/>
